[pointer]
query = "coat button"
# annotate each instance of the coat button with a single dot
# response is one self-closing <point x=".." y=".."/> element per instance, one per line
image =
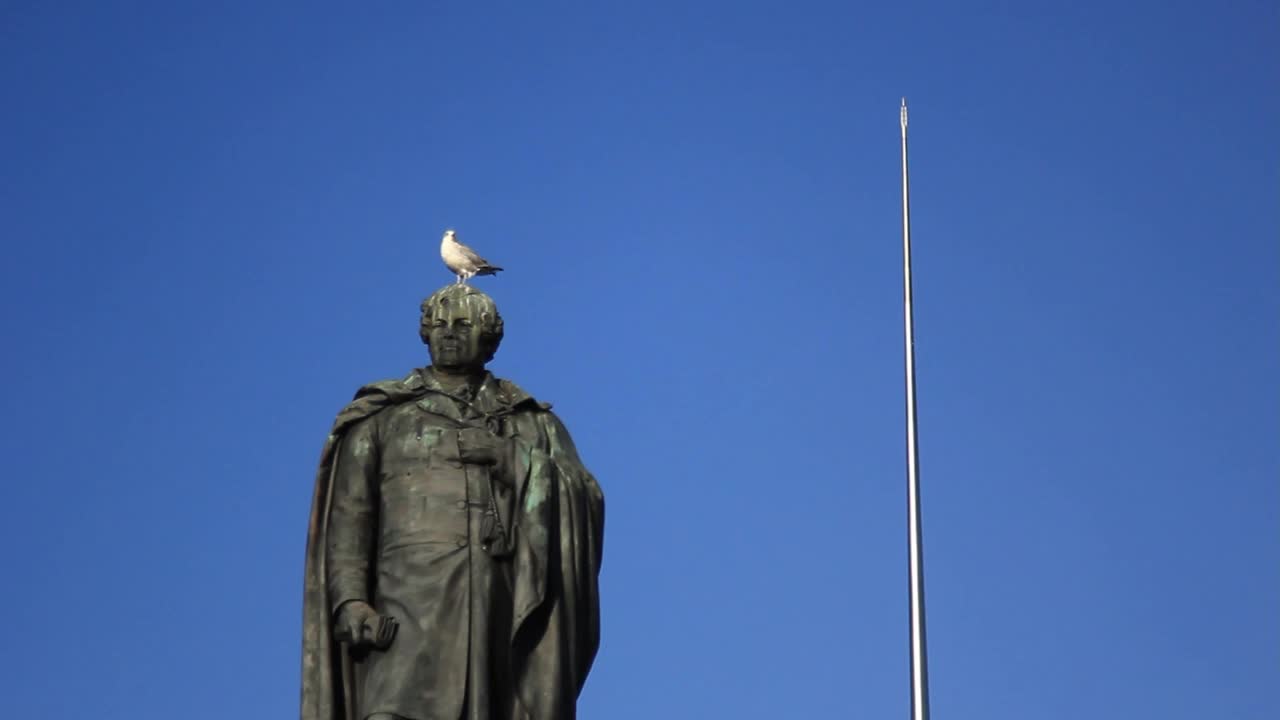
<point x="461" y="541"/>
<point x="461" y="504"/>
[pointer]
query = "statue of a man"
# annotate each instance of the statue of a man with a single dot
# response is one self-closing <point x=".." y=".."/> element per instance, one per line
<point x="452" y="505"/>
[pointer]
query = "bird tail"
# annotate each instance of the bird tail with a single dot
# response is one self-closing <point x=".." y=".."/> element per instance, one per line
<point x="489" y="270"/>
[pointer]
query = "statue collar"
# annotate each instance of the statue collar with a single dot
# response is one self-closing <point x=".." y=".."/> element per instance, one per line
<point x="493" y="395"/>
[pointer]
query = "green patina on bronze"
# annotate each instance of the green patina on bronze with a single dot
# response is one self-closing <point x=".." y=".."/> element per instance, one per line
<point x="453" y="506"/>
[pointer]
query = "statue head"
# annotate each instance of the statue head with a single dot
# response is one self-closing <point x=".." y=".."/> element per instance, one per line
<point x="461" y="327"/>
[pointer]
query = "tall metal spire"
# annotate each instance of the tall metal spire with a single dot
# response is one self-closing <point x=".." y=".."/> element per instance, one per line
<point x="915" y="551"/>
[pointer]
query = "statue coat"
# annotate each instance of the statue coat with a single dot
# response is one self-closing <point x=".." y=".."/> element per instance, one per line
<point x="493" y="580"/>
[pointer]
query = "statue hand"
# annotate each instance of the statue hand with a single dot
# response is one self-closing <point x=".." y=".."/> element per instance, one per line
<point x="484" y="448"/>
<point x="356" y="624"/>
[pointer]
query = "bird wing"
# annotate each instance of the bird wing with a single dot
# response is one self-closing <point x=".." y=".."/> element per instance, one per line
<point x="472" y="257"/>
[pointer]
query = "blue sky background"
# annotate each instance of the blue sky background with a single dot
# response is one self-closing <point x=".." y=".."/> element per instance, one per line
<point x="218" y="220"/>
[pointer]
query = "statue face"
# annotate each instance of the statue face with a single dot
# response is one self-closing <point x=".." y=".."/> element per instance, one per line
<point x="455" y="340"/>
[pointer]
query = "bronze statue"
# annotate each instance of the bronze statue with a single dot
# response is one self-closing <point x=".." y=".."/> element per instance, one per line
<point x="454" y="544"/>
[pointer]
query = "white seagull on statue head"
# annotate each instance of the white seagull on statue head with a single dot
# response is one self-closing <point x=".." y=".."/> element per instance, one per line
<point x="462" y="260"/>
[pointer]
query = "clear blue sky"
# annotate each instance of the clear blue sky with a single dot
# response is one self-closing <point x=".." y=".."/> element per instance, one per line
<point x="218" y="220"/>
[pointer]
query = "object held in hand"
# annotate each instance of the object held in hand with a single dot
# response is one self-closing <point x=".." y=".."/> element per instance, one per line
<point x="385" y="632"/>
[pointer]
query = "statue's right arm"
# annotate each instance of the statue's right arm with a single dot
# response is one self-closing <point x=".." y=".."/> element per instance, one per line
<point x="352" y="515"/>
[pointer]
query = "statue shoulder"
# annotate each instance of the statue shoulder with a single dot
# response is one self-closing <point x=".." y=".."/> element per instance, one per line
<point x="375" y="397"/>
<point x="393" y="390"/>
<point x="393" y="387"/>
<point x="515" y="396"/>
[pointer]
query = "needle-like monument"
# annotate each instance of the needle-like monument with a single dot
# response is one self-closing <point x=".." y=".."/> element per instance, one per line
<point x="915" y="551"/>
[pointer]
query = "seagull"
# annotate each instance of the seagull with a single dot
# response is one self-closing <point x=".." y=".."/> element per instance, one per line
<point x="462" y="260"/>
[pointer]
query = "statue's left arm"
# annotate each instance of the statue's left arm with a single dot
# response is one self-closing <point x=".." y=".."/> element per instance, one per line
<point x="581" y="510"/>
<point x="557" y="559"/>
<point x="565" y="455"/>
